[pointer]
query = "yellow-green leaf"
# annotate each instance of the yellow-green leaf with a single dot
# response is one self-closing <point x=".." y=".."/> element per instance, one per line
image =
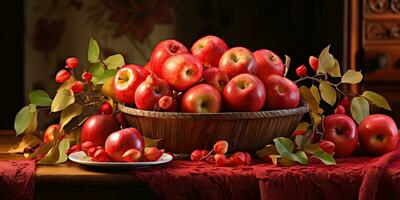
<point x="103" y="77"/>
<point x="42" y="150"/>
<point x="114" y="61"/>
<point x="33" y="125"/>
<point x="287" y="64"/>
<point x="315" y="93"/>
<point x="40" y="98"/>
<point x="267" y="151"/>
<point x="352" y="77"/>
<point x="96" y="69"/>
<point x="149" y="142"/>
<point x="376" y="99"/>
<point x="328" y="93"/>
<point x="326" y="158"/>
<point x="285" y="162"/>
<point x="309" y="98"/>
<point x="303" y="126"/>
<point x="311" y="148"/>
<point x="274" y="159"/>
<point x="67" y="84"/>
<point x="24" y="118"/>
<point x="359" y="108"/>
<point x="62" y="99"/>
<point x="93" y="51"/>
<point x="69" y="113"/>
<point x="283" y="144"/>
<point x="62" y="149"/>
<point x="28" y="140"/>
<point x="326" y="61"/>
<point x="335" y="70"/>
<point x="51" y="156"/>
<point x="316" y="118"/>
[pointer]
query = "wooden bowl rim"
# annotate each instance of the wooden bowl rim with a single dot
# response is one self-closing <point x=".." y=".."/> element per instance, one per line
<point x="303" y="108"/>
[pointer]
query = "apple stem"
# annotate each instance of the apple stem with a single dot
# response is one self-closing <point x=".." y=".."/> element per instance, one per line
<point x="206" y="156"/>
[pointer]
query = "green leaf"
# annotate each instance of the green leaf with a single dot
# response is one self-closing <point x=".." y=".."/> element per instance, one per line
<point x="328" y="93"/>
<point x="69" y="113"/>
<point x="352" y="77"/>
<point x="335" y="70"/>
<point x="299" y="141"/>
<point x="62" y="149"/>
<point x="51" y="156"/>
<point x="29" y="140"/>
<point x="24" y="118"/>
<point x="359" y="109"/>
<point x="326" y="158"/>
<point x="62" y="99"/>
<point x="283" y="144"/>
<point x="103" y="77"/>
<point x="93" y="51"/>
<point x="40" y="98"/>
<point x="315" y="93"/>
<point x="311" y="148"/>
<point x="287" y="64"/>
<point x="309" y="98"/>
<point x="148" y="142"/>
<point x="326" y="61"/>
<point x="97" y="69"/>
<point x="41" y="150"/>
<point x="299" y="157"/>
<point x="114" y="61"/>
<point x="376" y="99"/>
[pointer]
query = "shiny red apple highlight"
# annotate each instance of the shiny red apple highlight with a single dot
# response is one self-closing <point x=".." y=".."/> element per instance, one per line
<point x="209" y="50"/>
<point x="237" y="60"/>
<point x="126" y="81"/>
<point x="121" y="141"/>
<point x="97" y="128"/>
<point x="202" y="98"/>
<point x="282" y="93"/>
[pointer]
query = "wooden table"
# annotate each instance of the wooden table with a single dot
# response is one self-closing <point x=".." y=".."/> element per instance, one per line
<point x="71" y="180"/>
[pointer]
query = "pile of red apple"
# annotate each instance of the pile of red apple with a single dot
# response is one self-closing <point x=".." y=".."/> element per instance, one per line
<point x="209" y="78"/>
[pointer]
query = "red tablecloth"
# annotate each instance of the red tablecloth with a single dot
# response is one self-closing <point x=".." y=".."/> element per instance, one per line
<point x="17" y="179"/>
<point x="352" y="178"/>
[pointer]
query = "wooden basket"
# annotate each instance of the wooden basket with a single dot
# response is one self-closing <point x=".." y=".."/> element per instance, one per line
<point x="184" y="132"/>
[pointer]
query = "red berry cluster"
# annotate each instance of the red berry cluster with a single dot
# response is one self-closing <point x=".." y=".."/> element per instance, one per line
<point x="64" y="75"/>
<point x="220" y="159"/>
<point x="301" y="70"/>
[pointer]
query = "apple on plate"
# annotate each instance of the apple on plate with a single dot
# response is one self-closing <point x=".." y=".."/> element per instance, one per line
<point x="216" y="77"/>
<point x="182" y="71"/>
<point x="282" y="93"/>
<point x="378" y="134"/>
<point x="209" y="50"/>
<point x="120" y="141"/>
<point x="268" y="63"/>
<point x="237" y="60"/>
<point x="244" y="92"/>
<point x="342" y="131"/>
<point x="127" y="80"/>
<point x="162" y="52"/>
<point x="150" y="91"/>
<point x="97" y="128"/>
<point x="202" y="98"/>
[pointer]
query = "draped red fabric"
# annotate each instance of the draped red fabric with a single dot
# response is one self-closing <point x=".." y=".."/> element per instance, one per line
<point x="17" y="179"/>
<point x="360" y="177"/>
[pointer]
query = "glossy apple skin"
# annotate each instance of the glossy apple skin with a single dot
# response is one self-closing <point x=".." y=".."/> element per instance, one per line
<point x="162" y="52"/>
<point x="378" y="134"/>
<point x="342" y="131"/>
<point x="209" y="50"/>
<point x="121" y="141"/>
<point x="237" y="60"/>
<point x="216" y="77"/>
<point x="182" y="71"/>
<point x="202" y="98"/>
<point x="268" y="63"/>
<point x="126" y="81"/>
<point x="48" y="135"/>
<point x="149" y="92"/>
<point x="97" y="128"/>
<point x="244" y="92"/>
<point x="282" y="93"/>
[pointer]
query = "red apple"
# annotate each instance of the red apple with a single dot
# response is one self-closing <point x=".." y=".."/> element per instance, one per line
<point x="121" y="141"/>
<point x="182" y="71"/>
<point x="202" y="98"/>
<point x="209" y="50"/>
<point x="105" y="109"/>
<point x="162" y="51"/>
<point x="150" y="91"/>
<point x="121" y="119"/>
<point x="216" y="77"/>
<point x="282" y="93"/>
<point x="97" y="128"/>
<point x="342" y="131"/>
<point x="245" y="92"/>
<point x="268" y="63"/>
<point x="48" y="135"/>
<point x="126" y="81"/>
<point x="378" y="134"/>
<point x="153" y="154"/>
<point x="237" y="60"/>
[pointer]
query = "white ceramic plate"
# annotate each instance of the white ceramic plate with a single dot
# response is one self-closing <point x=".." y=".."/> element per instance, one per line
<point x="81" y="158"/>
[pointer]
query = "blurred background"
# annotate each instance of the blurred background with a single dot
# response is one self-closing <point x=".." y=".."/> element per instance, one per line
<point x="37" y="36"/>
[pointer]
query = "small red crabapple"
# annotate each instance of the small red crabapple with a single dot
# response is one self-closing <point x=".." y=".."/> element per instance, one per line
<point x="100" y="156"/>
<point x="340" y="110"/>
<point x="327" y="146"/>
<point x="77" y="87"/>
<point x="62" y="76"/>
<point x="301" y="71"/>
<point x="87" y="76"/>
<point x="195" y="155"/>
<point x="71" y="62"/>
<point x="313" y="61"/>
<point x="220" y="160"/>
<point x="221" y="147"/>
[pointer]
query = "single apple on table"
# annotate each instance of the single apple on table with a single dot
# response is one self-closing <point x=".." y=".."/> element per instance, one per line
<point x="127" y="80"/>
<point x="150" y="91"/>
<point x="378" y="134"/>
<point x="342" y="131"/>
<point x="202" y="98"/>
<point x="97" y="128"/>
<point x="48" y="135"/>
<point x="268" y="63"/>
<point x="216" y="77"/>
<point x="162" y="52"/>
<point x="182" y="71"/>
<point x="282" y="93"/>
<point x="121" y="141"/>
<point x="209" y="50"/>
<point x="237" y="60"/>
<point x="244" y="92"/>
